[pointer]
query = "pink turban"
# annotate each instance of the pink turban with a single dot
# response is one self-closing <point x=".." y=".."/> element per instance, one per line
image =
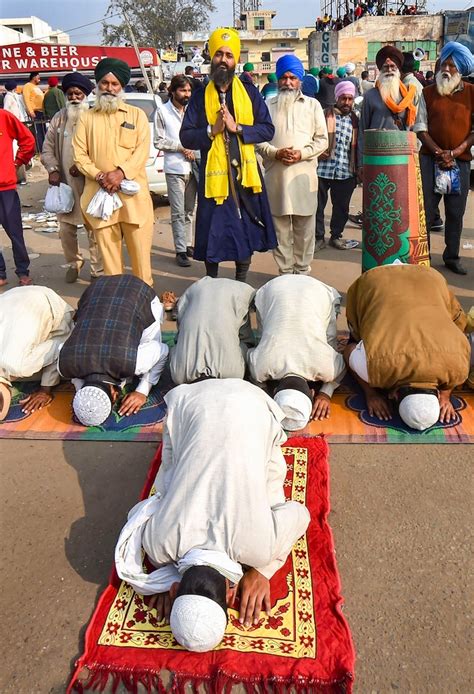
<point x="344" y="87"/>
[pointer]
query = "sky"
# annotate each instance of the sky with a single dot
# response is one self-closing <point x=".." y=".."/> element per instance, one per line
<point x="69" y="14"/>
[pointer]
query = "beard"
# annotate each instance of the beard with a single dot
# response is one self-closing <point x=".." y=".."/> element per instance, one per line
<point x="389" y="86"/>
<point x="107" y="103"/>
<point x="221" y="75"/>
<point x="447" y="83"/>
<point x="286" y="99"/>
<point x="74" y="110"/>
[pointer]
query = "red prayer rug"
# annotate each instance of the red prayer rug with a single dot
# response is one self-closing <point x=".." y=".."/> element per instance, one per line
<point x="304" y="646"/>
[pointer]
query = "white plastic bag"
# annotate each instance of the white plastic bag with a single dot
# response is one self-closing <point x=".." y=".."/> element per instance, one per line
<point x="103" y="205"/>
<point x="129" y="187"/>
<point x="59" y="199"/>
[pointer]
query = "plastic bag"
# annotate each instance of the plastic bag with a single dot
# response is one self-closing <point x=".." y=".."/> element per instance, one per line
<point x="447" y="181"/>
<point x="103" y="205"/>
<point x="59" y="199"/>
<point x="129" y="187"/>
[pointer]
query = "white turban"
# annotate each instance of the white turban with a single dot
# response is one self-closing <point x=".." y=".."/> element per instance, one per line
<point x="419" y="410"/>
<point x="91" y="406"/>
<point x="349" y="67"/>
<point x="296" y="407"/>
<point x="198" y="623"/>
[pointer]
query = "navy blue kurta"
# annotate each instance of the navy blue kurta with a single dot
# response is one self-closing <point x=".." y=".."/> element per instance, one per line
<point x="220" y="234"/>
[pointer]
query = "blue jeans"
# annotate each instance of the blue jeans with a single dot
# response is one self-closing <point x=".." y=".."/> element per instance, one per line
<point x="10" y="219"/>
<point x="182" y="189"/>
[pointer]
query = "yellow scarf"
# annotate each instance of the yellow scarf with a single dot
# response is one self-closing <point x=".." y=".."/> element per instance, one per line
<point x="216" y="176"/>
<point x="408" y="96"/>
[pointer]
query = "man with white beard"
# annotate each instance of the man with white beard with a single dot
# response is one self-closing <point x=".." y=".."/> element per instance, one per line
<point x="390" y="106"/>
<point x="290" y="161"/>
<point x="58" y="159"/>
<point x="444" y="127"/>
<point x="112" y="143"/>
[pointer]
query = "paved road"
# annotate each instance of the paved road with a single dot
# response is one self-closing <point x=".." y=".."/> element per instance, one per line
<point x="401" y="516"/>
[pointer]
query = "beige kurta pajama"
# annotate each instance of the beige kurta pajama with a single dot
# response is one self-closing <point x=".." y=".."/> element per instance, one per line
<point x="58" y="155"/>
<point x="220" y="484"/>
<point x="297" y="320"/>
<point x="292" y="190"/>
<point x="34" y="323"/>
<point x="102" y="143"/>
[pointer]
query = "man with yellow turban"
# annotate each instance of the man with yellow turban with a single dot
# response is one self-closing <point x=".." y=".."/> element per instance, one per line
<point x="225" y="121"/>
<point x="111" y="147"/>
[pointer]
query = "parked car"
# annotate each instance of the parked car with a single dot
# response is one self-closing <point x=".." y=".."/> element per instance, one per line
<point x="154" y="166"/>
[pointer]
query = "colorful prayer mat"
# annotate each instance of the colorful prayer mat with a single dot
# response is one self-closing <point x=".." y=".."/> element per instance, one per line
<point x="394" y="217"/>
<point x="304" y="646"/>
<point x="57" y="420"/>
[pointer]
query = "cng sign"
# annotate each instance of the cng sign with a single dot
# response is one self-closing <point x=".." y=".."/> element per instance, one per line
<point x="326" y="48"/>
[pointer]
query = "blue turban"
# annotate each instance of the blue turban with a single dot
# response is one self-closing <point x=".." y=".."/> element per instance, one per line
<point x="461" y="55"/>
<point x="310" y="85"/>
<point x="289" y="63"/>
<point x="76" y="79"/>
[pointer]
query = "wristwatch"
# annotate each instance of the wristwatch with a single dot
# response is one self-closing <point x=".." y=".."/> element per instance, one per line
<point x="209" y="132"/>
<point x="239" y="129"/>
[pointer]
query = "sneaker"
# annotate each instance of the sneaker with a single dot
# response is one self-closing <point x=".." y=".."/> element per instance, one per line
<point x="168" y="299"/>
<point x="340" y="244"/>
<point x="25" y="281"/>
<point x="3" y="281"/>
<point x="183" y="260"/>
<point x="190" y="251"/>
<point x="318" y="246"/>
<point x="437" y="225"/>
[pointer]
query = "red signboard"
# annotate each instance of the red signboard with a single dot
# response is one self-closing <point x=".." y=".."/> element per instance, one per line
<point x="26" y="57"/>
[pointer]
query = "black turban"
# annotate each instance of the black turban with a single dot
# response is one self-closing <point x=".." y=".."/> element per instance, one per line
<point x="117" y="67"/>
<point x="389" y="52"/>
<point x="75" y="79"/>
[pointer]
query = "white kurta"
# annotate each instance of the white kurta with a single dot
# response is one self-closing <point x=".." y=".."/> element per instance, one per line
<point x="34" y="322"/>
<point x="213" y="330"/>
<point x="292" y="190"/>
<point x="221" y="479"/>
<point x="297" y="319"/>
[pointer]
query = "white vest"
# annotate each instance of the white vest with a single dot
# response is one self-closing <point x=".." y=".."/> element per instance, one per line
<point x="175" y="162"/>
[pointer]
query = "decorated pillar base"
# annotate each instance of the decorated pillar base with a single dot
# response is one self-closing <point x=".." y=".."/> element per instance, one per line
<point x="394" y="216"/>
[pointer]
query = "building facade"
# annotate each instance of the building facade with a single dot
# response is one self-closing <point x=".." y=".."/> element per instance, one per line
<point x="21" y="29"/>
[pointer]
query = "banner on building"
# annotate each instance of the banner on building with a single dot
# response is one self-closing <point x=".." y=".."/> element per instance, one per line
<point x="27" y="57"/>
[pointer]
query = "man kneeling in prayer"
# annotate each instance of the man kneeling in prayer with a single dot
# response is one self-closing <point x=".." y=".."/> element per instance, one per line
<point x="213" y="331"/>
<point x="409" y="343"/>
<point x="117" y="336"/>
<point x="34" y="322"/>
<point x="219" y="506"/>
<point x="296" y="316"/>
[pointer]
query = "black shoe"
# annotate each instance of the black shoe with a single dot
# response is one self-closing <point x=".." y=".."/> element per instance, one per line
<point x="437" y="225"/>
<point x="455" y="266"/>
<point x="183" y="260"/>
<point x="190" y="251"/>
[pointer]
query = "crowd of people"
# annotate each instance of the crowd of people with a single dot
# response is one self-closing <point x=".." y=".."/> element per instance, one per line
<point x="214" y="139"/>
<point x="371" y="8"/>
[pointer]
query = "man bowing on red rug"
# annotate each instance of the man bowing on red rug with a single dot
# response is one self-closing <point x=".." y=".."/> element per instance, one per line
<point x="219" y="505"/>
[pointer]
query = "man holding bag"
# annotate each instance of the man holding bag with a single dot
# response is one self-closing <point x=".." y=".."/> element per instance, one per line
<point x="58" y="159"/>
<point x="444" y="127"/>
<point x="112" y="143"/>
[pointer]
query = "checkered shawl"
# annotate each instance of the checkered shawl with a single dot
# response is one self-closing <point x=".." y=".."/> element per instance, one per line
<point x="337" y="158"/>
<point x="111" y="316"/>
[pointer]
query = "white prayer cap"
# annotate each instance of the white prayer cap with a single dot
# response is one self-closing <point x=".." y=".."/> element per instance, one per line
<point x="5" y="400"/>
<point x="296" y="406"/>
<point x="349" y="67"/>
<point x="419" y="410"/>
<point x="91" y="406"/>
<point x="198" y="623"/>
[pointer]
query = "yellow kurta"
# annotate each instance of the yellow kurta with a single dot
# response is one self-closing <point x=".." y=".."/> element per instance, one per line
<point x="101" y="143"/>
<point x="33" y="97"/>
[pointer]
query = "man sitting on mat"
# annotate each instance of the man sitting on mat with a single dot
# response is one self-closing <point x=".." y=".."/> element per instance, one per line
<point x="213" y="331"/>
<point x="34" y="322"/>
<point x="117" y="336"/>
<point x="296" y="316"/>
<point x="407" y="327"/>
<point x="219" y="506"/>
